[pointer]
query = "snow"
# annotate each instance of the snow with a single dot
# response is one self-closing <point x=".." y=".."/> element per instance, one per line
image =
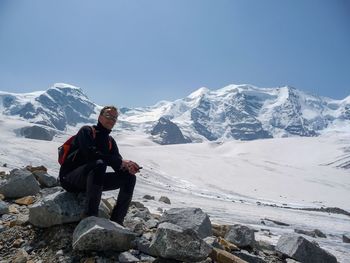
<point x="226" y="179"/>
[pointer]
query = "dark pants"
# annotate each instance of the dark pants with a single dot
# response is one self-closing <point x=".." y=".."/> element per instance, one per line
<point x="93" y="179"/>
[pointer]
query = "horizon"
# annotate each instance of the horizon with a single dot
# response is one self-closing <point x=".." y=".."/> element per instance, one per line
<point x="137" y="53"/>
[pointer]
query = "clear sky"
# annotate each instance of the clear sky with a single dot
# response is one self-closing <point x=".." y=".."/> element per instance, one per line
<point x="136" y="53"/>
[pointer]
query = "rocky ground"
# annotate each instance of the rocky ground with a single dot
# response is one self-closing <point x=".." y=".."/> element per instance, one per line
<point x="40" y="222"/>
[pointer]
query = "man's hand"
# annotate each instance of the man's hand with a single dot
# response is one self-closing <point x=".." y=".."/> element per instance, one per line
<point x="130" y="166"/>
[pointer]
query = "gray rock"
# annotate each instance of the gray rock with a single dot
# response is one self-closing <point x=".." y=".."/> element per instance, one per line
<point x="142" y="212"/>
<point x="18" y="184"/>
<point x="45" y="180"/>
<point x="59" y="208"/>
<point x="143" y="245"/>
<point x="100" y="234"/>
<point x="146" y="258"/>
<point x="127" y="257"/>
<point x="313" y="233"/>
<point x="346" y="238"/>
<point x="48" y="191"/>
<point x="152" y="223"/>
<point x="4" y="207"/>
<point x="241" y="236"/>
<point x="249" y="257"/>
<point x="174" y="242"/>
<point x="303" y="250"/>
<point x="148" y="197"/>
<point x="164" y="199"/>
<point x="213" y="242"/>
<point x="189" y="218"/>
<point x="37" y="133"/>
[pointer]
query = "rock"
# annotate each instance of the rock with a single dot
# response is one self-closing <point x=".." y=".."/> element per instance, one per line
<point x="222" y="256"/>
<point x="213" y="242"/>
<point x="346" y="238"/>
<point x="241" y="236"/>
<point x="143" y="245"/>
<point x="13" y="209"/>
<point x="220" y="230"/>
<point x="36" y="169"/>
<point x="45" y="180"/>
<point x="226" y="245"/>
<point x="127" y="257"/>
<point x="319" y="233"/>
<point x="28" y="200"/>
<point x="174" y="242"/>
<point x="303" y="250"/>
<point x="189" y="218"/>
<point x="109" y="202"/>
<point x="313" y="233"/>
<point x="164" y="199"/>
<point x="20" y="257"/>
<point x="148" y="197"/>
<point x="59" y="208"/>
<point x="135" y="212"/>
<point x="2" y="197"/>
<point x="19" y="183"/>
<point x="4" y="208"/>
<point x="37" y="132"/>
<point x="249" y="257"/>
<point x="276" y="222"/>
<point x="137" y="204"/>
<point x="152" y="223"/>
<point x="99" y="234"/>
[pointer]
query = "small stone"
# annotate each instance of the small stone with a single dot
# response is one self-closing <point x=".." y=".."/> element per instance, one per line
<point x="13" y="209"/>
<point x="2" y="197"/>
<point x="148" y="197"/>
<point x="346" y="239"/>
<point x="59" y="253"/>
<point x="89" y="260"/>
<point x="27" y="200"/>
<point x="18" y="242"/>
<point x="127" y="257"/>
<point x="164" y="199"/>
<point x="20" y="257"/>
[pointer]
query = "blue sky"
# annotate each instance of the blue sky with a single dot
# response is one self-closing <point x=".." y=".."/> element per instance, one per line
<point x="136" y="53"/>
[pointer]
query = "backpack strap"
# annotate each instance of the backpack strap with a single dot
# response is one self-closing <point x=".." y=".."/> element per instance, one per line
<point x="93" y="132"/>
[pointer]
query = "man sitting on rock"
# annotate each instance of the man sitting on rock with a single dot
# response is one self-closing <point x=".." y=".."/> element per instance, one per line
<point x="84" y="169"/>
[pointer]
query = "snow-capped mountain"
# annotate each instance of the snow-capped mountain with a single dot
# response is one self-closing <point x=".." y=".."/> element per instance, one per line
<point x="57" y="107"/>
<point x="246" y="112"/>
<point x="242" y="112"/>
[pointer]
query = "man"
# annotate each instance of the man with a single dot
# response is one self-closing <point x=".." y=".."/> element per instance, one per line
<point x="84" y="170"/>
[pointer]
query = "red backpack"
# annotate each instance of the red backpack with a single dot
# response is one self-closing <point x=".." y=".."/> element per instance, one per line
<point x="64" y="149"/>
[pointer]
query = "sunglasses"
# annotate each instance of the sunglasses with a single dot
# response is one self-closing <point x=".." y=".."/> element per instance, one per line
<point x="110" y="117"/>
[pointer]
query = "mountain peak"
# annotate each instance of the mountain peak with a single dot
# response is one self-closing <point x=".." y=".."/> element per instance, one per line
<point x="199" y="92"/>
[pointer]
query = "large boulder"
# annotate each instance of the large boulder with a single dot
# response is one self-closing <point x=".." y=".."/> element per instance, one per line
<point x="45" y="180"/>
<point x="100" y="234"/>
<point x="189" y="218"/>
<point x="37" y="132"/>
<point x="174" y="242"/>
<point x="299" y="248"/>
<point x="19" y="183"/>
<point x="241" y="236"/>
<point x="59" y="208"/>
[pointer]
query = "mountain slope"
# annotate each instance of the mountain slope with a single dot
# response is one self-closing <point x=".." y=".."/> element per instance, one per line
<point x="241" y="112"/>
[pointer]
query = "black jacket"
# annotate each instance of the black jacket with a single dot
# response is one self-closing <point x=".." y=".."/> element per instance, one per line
<point x="86" y="148"/>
